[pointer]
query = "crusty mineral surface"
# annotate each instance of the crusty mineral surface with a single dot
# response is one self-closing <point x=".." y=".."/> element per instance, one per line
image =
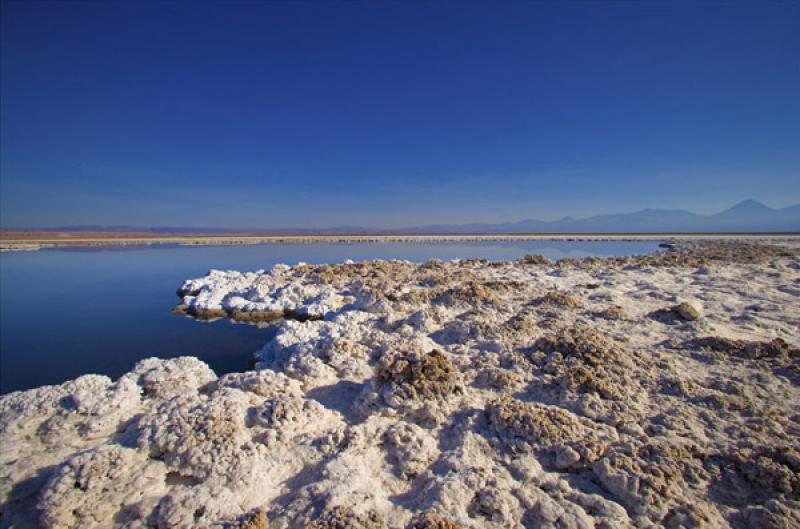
<point x="652" y="391"/>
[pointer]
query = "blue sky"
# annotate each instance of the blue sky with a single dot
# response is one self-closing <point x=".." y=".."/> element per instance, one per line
<point x="388" y="114"/>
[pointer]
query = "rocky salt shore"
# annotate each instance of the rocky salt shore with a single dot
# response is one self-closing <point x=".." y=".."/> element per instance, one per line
<point x="651" y="391"/>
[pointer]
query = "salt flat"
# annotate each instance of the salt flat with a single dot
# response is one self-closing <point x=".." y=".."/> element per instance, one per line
<point x="651" y="391"/>
<point x="12" y="241"/>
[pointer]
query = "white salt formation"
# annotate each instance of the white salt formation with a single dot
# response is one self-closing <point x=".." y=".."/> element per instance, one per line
<point x="654" y="391"/>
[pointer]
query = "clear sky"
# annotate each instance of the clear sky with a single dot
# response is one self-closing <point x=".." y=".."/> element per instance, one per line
<point x="388" y="114"/>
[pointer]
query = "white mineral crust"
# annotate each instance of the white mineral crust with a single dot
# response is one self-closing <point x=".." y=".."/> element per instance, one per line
<point x="483" y="394"/>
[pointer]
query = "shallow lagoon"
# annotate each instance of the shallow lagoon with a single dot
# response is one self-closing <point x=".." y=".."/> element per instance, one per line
<point x="67" y="312"/>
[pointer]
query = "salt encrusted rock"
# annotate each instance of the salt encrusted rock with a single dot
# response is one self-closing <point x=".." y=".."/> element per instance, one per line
<point x="704" y="253"/>
<point x="585" y="361"/>
<point x="614" y="312"/>
<point x="606" y="513"/>
<point x="341" y="517"/>
<point x="773" y="514"/>
<point x="523" y="426"/>
<point x="558" y="299"/>
<point x="93" y="409"/>
<point x="504" y="380"/>
<point x="164" y="379"/>
<point x="566" y="457"/>
<point x="679" y="387"/>
<point x="775" y="353"/>
<point x="526" y="468"/>
<point x="697" y="516"/>
<point x="523" y="323"/>
<point x="205" y="456"/>
<point x="349" y="477"/>
<point x="472" y="488"/>
<point x="535" y="260"/>
<point x="102" y="487"/>
<point x="687" y="311"/>
<point x="470" y="326"/>
<point x="318" y="352"/>
<point x="585" y="379"/>
<point x="257" y="520"/>
<point x="727" y="402"/>
<point x="257" y="296"/>
<point x="682" y="311"/>
<point x="264" y="383"/>
<point x="591" y="347"/>
<point x="416" y="376"/>
<point x="431" y="520"/>
<point x="423" y="320"/>
<point x="775" y="469"/>
<point x="777" y="348"/>
<point x="550" y="514"/>
<point x="198" y="436"/>
<point x="22" y="409"/>
<point x="494" y="506"/>
<point x="648" y="478"/>
<point x="472" y="293"/>
<point x="410" y="449"/>
<point x="283" y="412"/>
<point x="760" y="474"/>
<point x="286" y="417"/>
<point x="40" y="428"/>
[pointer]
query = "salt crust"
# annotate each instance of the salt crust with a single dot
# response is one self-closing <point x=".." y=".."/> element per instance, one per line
<point x="442" y="395"/>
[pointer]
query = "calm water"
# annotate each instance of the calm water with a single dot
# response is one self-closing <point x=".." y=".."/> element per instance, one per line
<point x="64" y="313"/>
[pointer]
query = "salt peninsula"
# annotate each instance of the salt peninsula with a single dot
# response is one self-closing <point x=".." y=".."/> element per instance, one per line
<point x="652" y="391"/>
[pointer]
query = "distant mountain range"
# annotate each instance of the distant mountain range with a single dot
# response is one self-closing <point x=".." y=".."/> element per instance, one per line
<point x="746" y="216"/>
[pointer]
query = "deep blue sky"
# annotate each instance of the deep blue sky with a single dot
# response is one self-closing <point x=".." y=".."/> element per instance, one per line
<point x="382" y="114"/>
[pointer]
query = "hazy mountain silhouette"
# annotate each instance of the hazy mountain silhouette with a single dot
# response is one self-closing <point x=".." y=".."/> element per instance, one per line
<point x="746" y="216"/>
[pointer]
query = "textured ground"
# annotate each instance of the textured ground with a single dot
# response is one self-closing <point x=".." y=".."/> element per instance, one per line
<point x="657" y="391"/>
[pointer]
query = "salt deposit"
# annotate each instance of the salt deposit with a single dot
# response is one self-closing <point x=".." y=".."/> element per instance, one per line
<point x="652" y="391"/>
